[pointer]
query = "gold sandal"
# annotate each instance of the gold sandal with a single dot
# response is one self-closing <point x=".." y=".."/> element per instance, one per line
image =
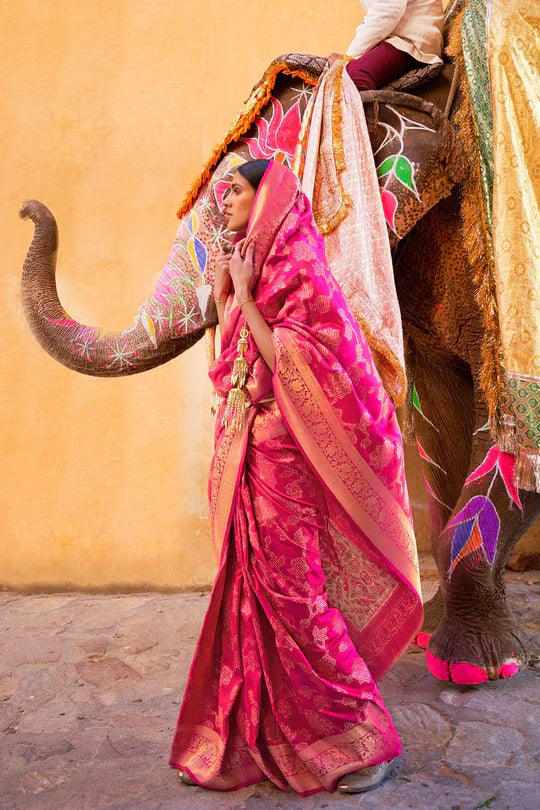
<point x="366" y="778"/>
<point x="185" y="778"/>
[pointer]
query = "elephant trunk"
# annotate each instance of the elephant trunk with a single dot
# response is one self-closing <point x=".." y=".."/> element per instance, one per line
<point x="168" y="323"/>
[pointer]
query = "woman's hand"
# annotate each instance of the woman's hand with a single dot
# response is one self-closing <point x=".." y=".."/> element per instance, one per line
<point x="222" y="279"/>
<point x="241" y="271"/>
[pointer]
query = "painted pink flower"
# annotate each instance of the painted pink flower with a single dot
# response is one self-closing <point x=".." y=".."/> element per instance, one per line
<point x="389" y="204"/>
<point x="504" y="464"/>
<point x="219" y="190"/>
<point x="276" y="139"/>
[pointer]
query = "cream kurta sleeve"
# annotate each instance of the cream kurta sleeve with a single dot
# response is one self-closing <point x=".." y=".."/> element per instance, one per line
<point x="379" y="23"/>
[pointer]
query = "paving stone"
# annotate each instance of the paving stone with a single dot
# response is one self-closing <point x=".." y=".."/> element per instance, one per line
<point x="40" y="685"/>
<point x="132" y="747"/>
<point x="35" y="651"/>
<point x="9" y="715"/>
<point x="481" y="745"/>
<point x="43" y="748"/>
<point x="8" y="687"/>
<point x="420" y="727"/>
<point x="139" y="642"/>
<point x="39" y="780"/>
<point x="96" y="645"/>
<point x="515" y="794"/>
<point x="105" y="671"/>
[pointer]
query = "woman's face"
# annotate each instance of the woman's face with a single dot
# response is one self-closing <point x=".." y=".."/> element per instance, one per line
<point x="237" y="203"/>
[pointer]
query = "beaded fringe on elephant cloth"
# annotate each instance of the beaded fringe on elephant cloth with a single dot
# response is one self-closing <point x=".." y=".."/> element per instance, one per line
<point x="495" y="46"/>
<point x="334" y="161"/>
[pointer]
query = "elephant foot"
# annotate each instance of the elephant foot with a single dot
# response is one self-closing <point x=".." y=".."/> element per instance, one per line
<point x="433" y="613"/>
<point x="466" y="655"/>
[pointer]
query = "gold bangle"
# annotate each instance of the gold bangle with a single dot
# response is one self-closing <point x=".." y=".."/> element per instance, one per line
<point x="246" y="302"/>
<point x="216" y="301"/>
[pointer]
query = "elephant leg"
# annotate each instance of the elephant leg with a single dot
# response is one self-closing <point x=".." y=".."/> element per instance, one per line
<point x="443" y="414"/>
<point x="478" y="638"/>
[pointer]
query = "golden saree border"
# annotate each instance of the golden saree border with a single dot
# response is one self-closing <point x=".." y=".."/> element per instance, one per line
<point x="307" y="770"/>
<point x="202" y="757"/>
<point x="258" y="98"/>
<point x="350" y="479"/>
<point x="226" y="470"/>
<point x="327" y="760"/>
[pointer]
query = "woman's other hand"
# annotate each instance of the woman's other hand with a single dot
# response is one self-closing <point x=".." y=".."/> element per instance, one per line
<point x="222" y="279"/>
<point x="241" y="271"/>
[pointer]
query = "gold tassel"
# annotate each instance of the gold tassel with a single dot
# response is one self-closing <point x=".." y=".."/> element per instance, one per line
<point x="216" y="402"/>
<point x="238" y="398"/>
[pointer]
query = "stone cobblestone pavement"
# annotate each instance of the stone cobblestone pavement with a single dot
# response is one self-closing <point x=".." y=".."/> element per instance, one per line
<point x="90" y="687"/>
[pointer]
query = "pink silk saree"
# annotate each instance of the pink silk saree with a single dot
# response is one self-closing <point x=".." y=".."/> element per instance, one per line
<point x="317" y="592"/>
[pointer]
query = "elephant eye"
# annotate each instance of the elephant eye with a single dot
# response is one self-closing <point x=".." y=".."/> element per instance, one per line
<point x="226" y="193"/>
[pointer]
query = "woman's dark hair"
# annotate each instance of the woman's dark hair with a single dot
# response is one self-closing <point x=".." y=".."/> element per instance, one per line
<point x="253" y="171"/>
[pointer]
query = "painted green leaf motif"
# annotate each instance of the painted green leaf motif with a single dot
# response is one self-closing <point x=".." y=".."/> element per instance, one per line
<point x="415" y="398"/>
<point x="386" y="166"/>
<point x="404" y="172"/>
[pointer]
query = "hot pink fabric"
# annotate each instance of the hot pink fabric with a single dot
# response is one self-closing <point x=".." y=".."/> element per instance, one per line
<point x="279" y="687"/>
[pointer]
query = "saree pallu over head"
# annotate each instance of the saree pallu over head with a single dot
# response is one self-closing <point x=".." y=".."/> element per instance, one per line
<point x="333" y="403"/>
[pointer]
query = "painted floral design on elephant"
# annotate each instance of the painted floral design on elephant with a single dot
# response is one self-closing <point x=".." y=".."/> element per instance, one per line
<point x="477" y="525"/>
<point x="397" y="165"/>
<point x="276" y="139"/>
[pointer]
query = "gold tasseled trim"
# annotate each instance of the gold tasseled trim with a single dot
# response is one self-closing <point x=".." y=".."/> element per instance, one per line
<point x="396" y="386"/>
<point x="327" y="225"/>
<point x="476" y="240"/>
<point x="251" y="110"/>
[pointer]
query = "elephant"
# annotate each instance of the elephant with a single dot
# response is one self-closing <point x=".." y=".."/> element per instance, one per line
<point x="477" y="512"/>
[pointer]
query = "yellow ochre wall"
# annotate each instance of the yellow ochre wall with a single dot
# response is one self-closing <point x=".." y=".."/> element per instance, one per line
<point x="108" y="111"/>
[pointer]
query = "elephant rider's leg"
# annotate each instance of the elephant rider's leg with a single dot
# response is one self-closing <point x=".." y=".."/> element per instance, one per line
<point x="478" y="638"/>
<point x="380" y="66"/>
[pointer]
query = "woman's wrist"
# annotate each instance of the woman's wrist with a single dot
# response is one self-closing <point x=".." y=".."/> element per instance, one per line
<point x="243" y="295"/>
<point x="243" y="301"/>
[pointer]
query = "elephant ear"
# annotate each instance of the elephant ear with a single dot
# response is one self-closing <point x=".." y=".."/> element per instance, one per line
<point x="418" y="155"/>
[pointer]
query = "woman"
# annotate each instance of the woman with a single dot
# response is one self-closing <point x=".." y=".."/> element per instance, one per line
<point x="307" y="473"/>
<point x="394" y="37"/>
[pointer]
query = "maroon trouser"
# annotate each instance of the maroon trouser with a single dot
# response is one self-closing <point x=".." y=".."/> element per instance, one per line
<point x="379" y="66"/>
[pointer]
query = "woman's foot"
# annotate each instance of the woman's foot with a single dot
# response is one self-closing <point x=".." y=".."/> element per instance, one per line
<point x="187" y="780"/>
<point x="366" y="778"/>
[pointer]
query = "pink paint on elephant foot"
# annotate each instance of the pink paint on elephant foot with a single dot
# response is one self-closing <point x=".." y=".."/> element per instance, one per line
<point x="465" y="673"/>
<point x="422" y="640"/>
<point x="508" y="670"/>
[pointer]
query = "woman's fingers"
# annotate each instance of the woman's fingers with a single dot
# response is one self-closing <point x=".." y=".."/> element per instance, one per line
<point x="249" y="253"/>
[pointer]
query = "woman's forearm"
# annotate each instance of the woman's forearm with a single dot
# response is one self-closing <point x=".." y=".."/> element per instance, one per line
<point x="220" y="306"/>
<point x="261" y="332"/>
